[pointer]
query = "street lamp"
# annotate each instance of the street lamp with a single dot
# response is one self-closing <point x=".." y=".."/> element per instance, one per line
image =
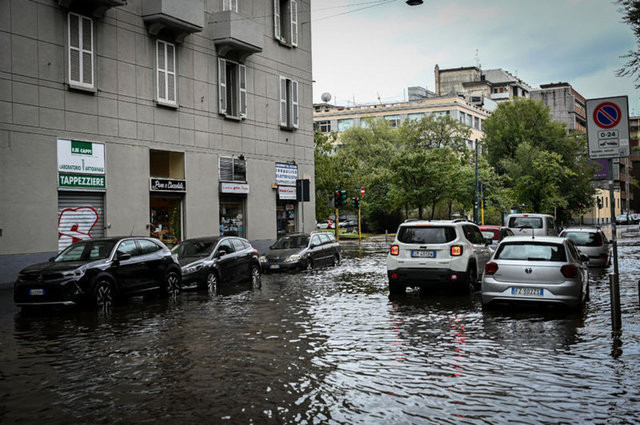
<point x="414" y="2"/>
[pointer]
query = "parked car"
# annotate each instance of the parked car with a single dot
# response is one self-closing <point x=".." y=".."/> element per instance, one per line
<point x="326" y="224"/>
<point x="525" y="224"/>
<point x="298" y="251"/>
<point x="592" y="242"/>
<point x="207" y="262"/>
<point x="348" y="224"/>
<point x="622" y="219"/>
<point x="495" y="234"/>
<point x="96" y="271"/>
<point x="536" y="270"/>
<point x="634" y="218"/>
<point x="436" y="254"/>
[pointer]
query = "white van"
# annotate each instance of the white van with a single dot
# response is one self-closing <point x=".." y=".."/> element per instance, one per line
<point x="525" y="224"/>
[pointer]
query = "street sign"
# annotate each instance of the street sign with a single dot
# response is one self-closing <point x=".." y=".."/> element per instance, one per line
<point x="362" y="191"/>
<point x="608" y="127"/>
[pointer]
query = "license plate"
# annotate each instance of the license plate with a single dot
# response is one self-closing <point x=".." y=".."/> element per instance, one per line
<point x="36" y="291"/>
<point x="423" y="254"/>
<point x="274" y="266"/>
<point x="536" y="292"/>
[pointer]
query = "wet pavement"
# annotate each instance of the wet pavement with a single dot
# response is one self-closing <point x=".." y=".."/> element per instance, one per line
<point x="326" y="346"/>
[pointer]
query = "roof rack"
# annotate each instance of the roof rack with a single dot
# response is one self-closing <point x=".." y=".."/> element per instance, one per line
<point x="409" y="220"/>
<point x="460" y="220"/>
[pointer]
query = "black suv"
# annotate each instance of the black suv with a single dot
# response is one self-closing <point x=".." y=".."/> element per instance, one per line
<point x="297" y="251"/>
<point x="95" y="271"/>
<point x="209" y="261"/>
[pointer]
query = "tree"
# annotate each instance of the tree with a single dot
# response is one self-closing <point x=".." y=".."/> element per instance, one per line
<point x="631" y="16"/>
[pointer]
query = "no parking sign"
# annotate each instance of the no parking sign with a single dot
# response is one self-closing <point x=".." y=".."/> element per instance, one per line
<point x="608" y="127"/>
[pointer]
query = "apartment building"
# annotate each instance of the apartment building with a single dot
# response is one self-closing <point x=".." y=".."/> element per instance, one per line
<point x="170" y="118"/>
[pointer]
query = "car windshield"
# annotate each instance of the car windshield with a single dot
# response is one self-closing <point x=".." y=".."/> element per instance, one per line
<point x="584" y="238"/>
<point x="86" y="251"/>
<point x="291" y="242"/>
<point x="531" y="251"/>
<point x="195" y="248"/>
<point x="426" y="234"/>
<point x="535" y="222"/>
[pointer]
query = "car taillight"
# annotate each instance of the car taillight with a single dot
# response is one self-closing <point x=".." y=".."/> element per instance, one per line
<point x="569" y="270"/>
<point x="456" y="251"/>
<point x="490" y="268"/>
<point x="395" y="250"/>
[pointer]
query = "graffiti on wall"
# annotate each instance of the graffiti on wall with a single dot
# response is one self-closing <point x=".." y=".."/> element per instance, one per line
<point x="75" y="224"/>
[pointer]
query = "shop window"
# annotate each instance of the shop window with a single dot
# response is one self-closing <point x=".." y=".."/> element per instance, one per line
<point x="289" y="110"/>
<point x="232" y="89"/>
<point x="166" y="73"/>
<point x="285" y="217"/>
<point x="232" y="216"/>
<point x="167" y="164"/>
<point x="233" y="169"/>
<point x="80" y="39"/>
<point x="285" y="21"/>
<point x="166" y="218"/>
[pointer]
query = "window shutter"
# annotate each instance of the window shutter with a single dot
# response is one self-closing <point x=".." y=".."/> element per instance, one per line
<point x="222" y="85"/>
<point x="294" y="22"/>
<point x="294" y="104"/>
<point x="171" y="72"/>
<point x="226" y="168"/>
<point x="243" y="90"/>
<point x="74" y="48"/>
<point x="87" y="51"/>
<point x="276" y="20"/>
<point x="239" y="170"/>
<point x="283" y="102"/>
<point x="161" y="60"/>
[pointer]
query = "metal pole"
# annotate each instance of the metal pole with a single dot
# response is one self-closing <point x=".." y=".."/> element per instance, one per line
<point x="614" y="231"/>
<point x="614" y="282"/>
<point x="359" y="228"/>
<point x="302" y="207"/>
<point x="337" y="225"/>
<point x="475" y="205"/>
<point x="614" y="291"/>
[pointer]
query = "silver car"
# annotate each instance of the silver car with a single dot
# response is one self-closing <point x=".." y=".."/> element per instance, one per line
<point x="543" y="269"/>
<point x="592" y="242"/>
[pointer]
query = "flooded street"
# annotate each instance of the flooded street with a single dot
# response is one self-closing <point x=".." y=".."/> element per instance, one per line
<point x="326" y="346"/>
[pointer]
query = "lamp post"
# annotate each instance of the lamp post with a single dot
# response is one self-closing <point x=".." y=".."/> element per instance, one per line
<point x="475" y="202"/>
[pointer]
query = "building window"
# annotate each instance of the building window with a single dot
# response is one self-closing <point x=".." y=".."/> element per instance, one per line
<point x="367" y="122"/>
<point x="232" y="88"/>
<point x="345" y="124"/>
<point x="80" y="51"/>
<point x="469" y="121"/>
<point x="394" y="120"/>
<point x="323" y="127"/>
<point x="289" y="110"/>
<point x="233" y="169"/>
<point x="441" y="113"/>
<point x="462" y="117"/>
<point x="285" y="20"/>
<point x="231" y="5"/>
<point x="476" y="123"/>
<point x="416" y="116"/>
<point x="166" y="65"/>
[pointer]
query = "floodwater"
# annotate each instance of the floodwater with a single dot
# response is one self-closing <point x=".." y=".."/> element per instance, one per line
<point x="325" y="347"/>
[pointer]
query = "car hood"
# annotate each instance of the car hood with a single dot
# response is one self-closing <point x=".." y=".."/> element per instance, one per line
<point x="282" y="253"/>
<point x="185" y="261"/>
<point x="56" y="267"/>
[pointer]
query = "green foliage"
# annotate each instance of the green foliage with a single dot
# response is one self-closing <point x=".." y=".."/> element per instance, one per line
<point x="630" y="10"/>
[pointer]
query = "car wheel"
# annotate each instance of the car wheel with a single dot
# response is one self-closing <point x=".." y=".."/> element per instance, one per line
<point x="212" y="283"/>
<point x="103" y="295"/>
<point x="396" y="289"/>
<point x="472" y="276"/>
<point x="255" y="277"/>
<point x="336" y="260"/>
<point x="172" y="285"/>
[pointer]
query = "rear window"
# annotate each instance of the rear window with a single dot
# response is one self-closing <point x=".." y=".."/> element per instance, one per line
<point x="426" y="234"/>
<point x="535" y="222"/>
<point x="490" y="234"/>
<point x="584" y="238"/>
<point x="530" y="251"/>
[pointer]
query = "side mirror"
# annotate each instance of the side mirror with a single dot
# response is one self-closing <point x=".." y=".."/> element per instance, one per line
<point x="121" y="256"/>
<point x="488" y="241"/>
<point x="584" y="258"/>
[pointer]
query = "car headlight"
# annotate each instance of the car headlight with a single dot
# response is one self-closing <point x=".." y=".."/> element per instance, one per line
<point x="77" y="274"/>
<point x="263" y="259"/>
<point x="293" y="258"/>
<point x="192" y="269"/>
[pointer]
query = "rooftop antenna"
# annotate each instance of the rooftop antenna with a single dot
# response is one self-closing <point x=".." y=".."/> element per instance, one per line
<point x="379" y="98"/>
<point x="477" y="59"/>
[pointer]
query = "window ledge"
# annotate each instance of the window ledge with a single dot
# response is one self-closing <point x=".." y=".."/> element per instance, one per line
<point x="80" y="87"/>
<point x="287" y="128"/>
<point x="285" y="43"/>
<point x="166" y="104"/>
<point x="231" y="117"/>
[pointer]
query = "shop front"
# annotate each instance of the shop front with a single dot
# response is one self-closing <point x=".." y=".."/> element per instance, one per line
<point x="286" y="175"/>
<point x="233" y="200"/>
<point x="81" y="187"/>
<point x="166" y="202"/>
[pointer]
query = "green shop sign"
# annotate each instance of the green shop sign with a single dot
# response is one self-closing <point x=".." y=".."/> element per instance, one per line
<point x="81" y="148"/>
<point x="79" y="181"/>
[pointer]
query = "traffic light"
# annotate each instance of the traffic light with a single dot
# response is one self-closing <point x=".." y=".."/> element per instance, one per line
<point x="336" y="197"/>
<point x="355" y="203"/>
<point x="343" y="198"/>
<point x="599" y="202"/>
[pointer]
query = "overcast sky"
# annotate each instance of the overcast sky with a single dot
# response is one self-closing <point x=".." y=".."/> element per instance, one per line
<point x="363" y="49"/>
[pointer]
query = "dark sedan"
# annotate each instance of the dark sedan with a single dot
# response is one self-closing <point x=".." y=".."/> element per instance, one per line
<point x="96" y="271"/>
<point x="298" y="251"/>
<point x="208" y="261"/>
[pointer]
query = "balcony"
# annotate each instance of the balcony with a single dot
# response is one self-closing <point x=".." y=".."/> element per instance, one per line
<point x="179" y="18"/>
<point x="95" y="8"/>
<point x="237" y="36"/>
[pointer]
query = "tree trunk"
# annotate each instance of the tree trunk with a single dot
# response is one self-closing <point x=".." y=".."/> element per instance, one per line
<point x="433" y="209"/>
<point x="420" y="212"/>
<point x="450" y="206"/>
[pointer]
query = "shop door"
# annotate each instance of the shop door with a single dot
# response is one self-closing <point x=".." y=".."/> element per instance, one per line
<point x="166" y="219"/>
<point x="80" y="217"/>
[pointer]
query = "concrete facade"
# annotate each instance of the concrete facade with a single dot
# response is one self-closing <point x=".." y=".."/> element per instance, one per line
<point x="565" y="104"/>
<point x="39" y="105"/>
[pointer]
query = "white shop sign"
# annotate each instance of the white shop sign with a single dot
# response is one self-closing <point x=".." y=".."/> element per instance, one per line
<point x="237" y="188"/>
<point x="80" y="157"/>
<point x="286" y="174"/>
<point x="287" y="192"/>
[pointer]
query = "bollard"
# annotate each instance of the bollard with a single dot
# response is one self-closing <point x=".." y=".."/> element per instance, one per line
<point x="614" y="291"/>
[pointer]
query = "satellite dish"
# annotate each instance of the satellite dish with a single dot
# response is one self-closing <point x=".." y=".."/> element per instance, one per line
<point x="326" y="97"/>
